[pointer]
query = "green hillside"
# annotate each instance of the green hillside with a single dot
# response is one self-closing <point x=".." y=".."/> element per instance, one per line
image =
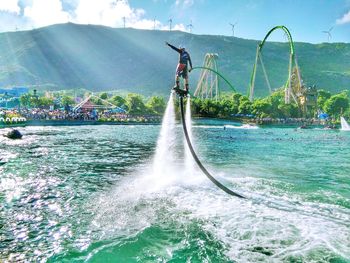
<point x="99" y="58"/>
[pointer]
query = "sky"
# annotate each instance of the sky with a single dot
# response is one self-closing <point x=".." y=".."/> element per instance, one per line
<point x="307" y="20"/>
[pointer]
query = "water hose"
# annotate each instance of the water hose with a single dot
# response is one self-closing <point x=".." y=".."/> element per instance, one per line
<point x="199" y="163"/>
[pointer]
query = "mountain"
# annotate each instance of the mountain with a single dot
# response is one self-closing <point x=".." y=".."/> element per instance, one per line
<point x="97" y="58"/>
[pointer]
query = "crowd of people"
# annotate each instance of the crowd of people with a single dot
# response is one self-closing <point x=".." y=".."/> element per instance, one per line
<point x="45" y="114"/>
<point x="64" y="115"/>
<point x="110" y="116"/>
<point x="309" y="121"/>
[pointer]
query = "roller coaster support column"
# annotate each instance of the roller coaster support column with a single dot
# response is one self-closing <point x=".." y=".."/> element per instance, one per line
<point x="208" y="84"/>
<point x="288" y="87"/>
<point x="298" y="71"/>
<point x="265" y="74"/>
<point x="252" y="79"/>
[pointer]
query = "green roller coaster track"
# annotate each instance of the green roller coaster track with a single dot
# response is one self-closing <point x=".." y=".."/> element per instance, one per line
<point x="219" y="74"/>
<point x="289" y="36"/>
<point x="260" y="47"/>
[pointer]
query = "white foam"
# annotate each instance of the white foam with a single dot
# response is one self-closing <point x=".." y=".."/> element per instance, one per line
<point x="274" y="220"/>
<point x="242" y="225"/>
<point x="244" y="126"/>
<point x="208" y="126"/>
<point x="166" y="141"/>
<point x="279" y="222"/>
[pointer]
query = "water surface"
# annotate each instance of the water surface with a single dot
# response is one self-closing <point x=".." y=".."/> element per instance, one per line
<point x="89" y="193"/>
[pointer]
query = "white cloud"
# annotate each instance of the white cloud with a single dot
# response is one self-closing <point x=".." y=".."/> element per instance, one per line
<point x="180" y="27"/>
<point x="151" y="24"/>
<point x="44" y="12"/>
<point x="112" y="13"/>
<point x="344" y="20"/>
<point x="10" y="6"/>
<point x="38" y="13"/>
<point x="107" y="12"/>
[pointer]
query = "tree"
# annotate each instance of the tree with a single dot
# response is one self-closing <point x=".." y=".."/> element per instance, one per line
<point x="288" y="110"/>
<point x="208" y="108"/>
<point x="337" y="104"/>
<point x="236" y="97"/>
<point x="118" y="101"/>
<point x="235" y="102"/>
<point x="96" y="100"/>
<point x="275" y="100"/>
<point x="196" y="105"/>
<point x="45" y="102"/>
<point x="25" y="100"/>
<point x="225" y="107"/>
<point x="135" y="104"/>
<point x="322" y="97"/>
<point x="104" y="96"/>
<point x="156" y="104"/>
<point x="34" y="101"/>
<point x="67" y="100"/>
<point x="347" y="113"/>
<point x="262" y="108"/>
<point x="245" y="106"/>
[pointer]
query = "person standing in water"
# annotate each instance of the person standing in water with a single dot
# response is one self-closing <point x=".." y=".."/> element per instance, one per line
<point x="182" y="67"/>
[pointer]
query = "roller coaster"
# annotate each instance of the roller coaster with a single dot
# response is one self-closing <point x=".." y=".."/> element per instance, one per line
<point x="291" y="91"/>
<point x="295" y="91"/>
<point x="208" y="83"/>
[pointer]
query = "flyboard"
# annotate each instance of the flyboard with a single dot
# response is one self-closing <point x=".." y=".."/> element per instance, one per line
<point x="182" y="93"/>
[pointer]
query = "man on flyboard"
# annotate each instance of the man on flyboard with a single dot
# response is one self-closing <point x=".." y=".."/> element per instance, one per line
<point x="182" y="68"/>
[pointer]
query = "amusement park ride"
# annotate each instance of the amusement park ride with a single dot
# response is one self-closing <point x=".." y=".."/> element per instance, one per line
<point x="295" y="90"/>
<point x="208" y="83"/>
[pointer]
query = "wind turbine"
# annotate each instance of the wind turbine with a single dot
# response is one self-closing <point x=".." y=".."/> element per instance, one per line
<point x="124" y="18"/>
<point x="329" y="35"/>
<point x="170" y="22"/>
<point x="233" y="28"/>
<point x="190" y="26"/>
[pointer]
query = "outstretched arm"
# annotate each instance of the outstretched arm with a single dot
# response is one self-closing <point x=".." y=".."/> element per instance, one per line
<point x="175" y="48"/>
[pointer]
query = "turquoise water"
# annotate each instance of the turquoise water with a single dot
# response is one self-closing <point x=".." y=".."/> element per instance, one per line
<point x="88" y="194"/>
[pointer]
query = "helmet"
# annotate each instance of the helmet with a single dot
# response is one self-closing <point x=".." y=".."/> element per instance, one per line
<point x="182" y="47"/>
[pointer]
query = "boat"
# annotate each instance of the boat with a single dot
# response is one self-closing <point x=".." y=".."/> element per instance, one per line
<point x="304" y="126"/>
<point x="330" y="127"/>
<point x="344" y="125"/>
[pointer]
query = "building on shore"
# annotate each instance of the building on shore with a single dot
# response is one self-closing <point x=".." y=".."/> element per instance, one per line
<point x="14" y="91"/>
<point x="9" y="97"/>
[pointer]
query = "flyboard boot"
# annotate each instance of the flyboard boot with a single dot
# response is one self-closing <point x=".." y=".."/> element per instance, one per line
<point x="180" y="92"/>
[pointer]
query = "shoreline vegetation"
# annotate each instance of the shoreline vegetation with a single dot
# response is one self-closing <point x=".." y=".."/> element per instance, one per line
<point x="60" y="109"/>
